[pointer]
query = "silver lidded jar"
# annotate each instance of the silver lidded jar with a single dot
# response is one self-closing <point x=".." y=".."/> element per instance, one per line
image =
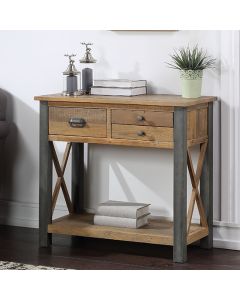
<point x="71" y="79"/>
<point x="87" y="72"/>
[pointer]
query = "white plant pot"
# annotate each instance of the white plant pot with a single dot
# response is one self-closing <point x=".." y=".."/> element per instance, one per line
<point x="191" y="83"/>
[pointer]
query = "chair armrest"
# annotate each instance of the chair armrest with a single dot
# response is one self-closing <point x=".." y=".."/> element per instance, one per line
<point x="4" y="129"/>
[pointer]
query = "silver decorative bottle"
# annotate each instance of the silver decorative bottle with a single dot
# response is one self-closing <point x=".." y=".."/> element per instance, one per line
<point x="87" y="73"/>
<point x="71" y="79"/>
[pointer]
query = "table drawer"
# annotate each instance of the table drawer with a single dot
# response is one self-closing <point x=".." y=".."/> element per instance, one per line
<point x="142" y="117"/>
<point x="144" y="133"/>
<point x="78" y="121"/>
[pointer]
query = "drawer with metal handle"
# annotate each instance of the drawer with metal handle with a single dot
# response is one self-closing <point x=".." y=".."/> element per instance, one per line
<point x="87" y="122"/>
<point x="144" y="133"/>
<point x="142" y="117"/>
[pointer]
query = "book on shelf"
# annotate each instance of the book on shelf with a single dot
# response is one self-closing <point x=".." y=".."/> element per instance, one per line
<point x="123" y="209"/>
<point x="114" y="91"/>
<point x="119" y="83"/>
<point x="120" y="222"/>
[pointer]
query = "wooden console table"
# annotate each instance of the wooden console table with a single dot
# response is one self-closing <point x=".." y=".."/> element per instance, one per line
<point x="155" y="121"/>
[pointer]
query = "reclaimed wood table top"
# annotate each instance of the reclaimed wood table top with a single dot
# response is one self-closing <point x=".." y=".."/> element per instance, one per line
<point x="146" y="100"/>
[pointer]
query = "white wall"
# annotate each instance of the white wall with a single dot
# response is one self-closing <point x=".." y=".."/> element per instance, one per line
<point x="31" y="63"/>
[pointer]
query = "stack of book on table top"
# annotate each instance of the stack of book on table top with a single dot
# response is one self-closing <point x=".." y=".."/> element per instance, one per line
<point x="122" y="214"/>
<point x="119" y="87"/>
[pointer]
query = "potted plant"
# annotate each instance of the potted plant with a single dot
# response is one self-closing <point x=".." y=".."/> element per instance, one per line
<point x="191" y="63"/>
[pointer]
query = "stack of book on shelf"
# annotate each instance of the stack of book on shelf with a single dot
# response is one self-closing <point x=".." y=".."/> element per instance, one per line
<point x="122" y="214"/>
<point x="119" y="87"/>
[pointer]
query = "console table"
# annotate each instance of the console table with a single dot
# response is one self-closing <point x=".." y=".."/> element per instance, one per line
<point x="154" y="121"/>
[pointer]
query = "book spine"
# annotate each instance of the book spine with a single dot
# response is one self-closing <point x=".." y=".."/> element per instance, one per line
<point x="122" y="212"/>
<point x="115" y="222"/>
<point x="112" y="85"/>
<point x="128" y="92"/>
<point x="116" y="84"/>
<point x="142" y="211"/>
<point x="120" y="222"/>
<point x="116" y="211"/>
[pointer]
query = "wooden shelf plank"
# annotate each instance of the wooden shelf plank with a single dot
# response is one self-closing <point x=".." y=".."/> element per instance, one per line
<point x="156" y="232"/>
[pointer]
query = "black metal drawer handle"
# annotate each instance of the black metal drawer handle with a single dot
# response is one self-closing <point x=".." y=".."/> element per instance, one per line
<point x="141" y="133"/>
<point x="140" y="118"/>
<point x="77" y="122"/>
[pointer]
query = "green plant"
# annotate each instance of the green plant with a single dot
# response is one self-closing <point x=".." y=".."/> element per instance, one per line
<point x="191" y="59"/>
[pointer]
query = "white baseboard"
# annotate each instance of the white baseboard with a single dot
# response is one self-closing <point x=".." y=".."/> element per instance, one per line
<point x="24" y="214"/>
<point x="225" y="235"/>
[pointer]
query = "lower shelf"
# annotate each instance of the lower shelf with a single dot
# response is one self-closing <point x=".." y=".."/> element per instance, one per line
<point x="156" y="232"/>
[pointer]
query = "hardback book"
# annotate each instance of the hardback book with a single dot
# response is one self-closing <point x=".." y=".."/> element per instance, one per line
<point x="120" y="83"/>
<point x="114" y="91"/>
<point x="120" y="222"/>
<point x="123" y="209"/>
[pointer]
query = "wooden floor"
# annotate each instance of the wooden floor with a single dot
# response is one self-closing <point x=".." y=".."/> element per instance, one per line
<point x="21" y="245"/>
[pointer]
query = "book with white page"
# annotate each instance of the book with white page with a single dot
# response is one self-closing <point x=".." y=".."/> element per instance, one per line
<point x="114" y="91"/>
<point x="123" y="209"/>
<point x="119" y="83"/>
<point x="120" y="222"/>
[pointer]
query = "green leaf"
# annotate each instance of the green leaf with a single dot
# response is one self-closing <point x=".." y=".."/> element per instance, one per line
<point x="191" y="59"/>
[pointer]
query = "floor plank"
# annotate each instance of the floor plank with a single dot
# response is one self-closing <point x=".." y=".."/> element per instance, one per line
<point x="20" y="244"/>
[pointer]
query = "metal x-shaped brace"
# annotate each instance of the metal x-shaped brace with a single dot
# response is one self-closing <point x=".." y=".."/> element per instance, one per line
<point x="60" y="183"/>
<point x="195" y="196"/>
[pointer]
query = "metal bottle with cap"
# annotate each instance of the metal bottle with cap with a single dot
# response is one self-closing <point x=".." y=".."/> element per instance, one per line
<point x="71" y="79"/>
<point x="87" y="73"/>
